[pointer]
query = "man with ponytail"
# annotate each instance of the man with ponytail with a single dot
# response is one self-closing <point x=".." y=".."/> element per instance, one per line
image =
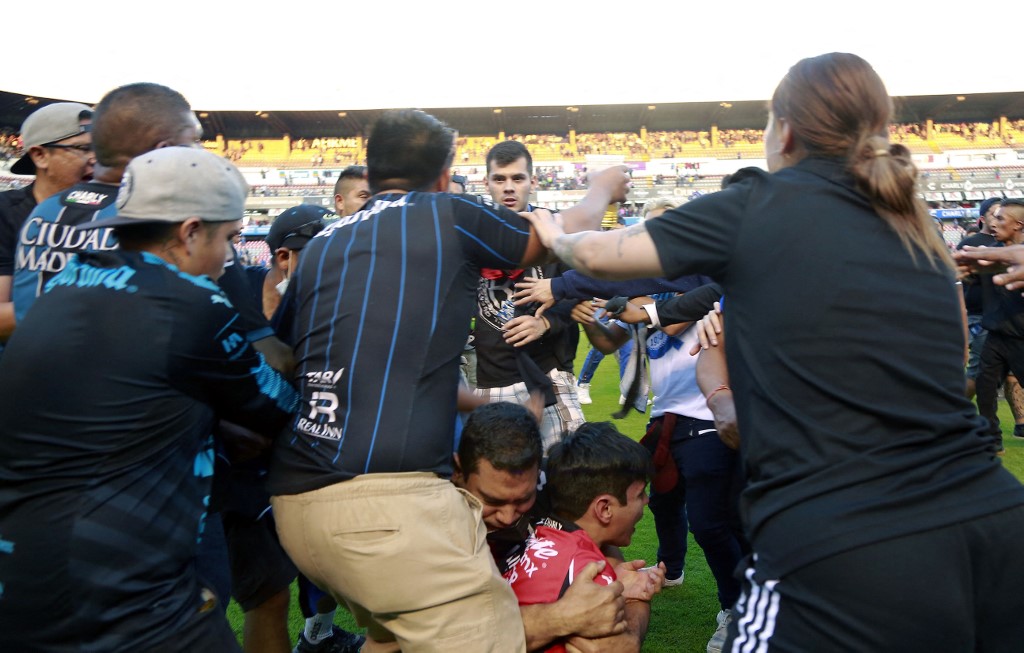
<point x="879" y="518"/>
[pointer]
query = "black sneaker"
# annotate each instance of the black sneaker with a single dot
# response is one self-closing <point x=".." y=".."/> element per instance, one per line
<point x="1018" y="431"/>
<point x="340" y="641"/>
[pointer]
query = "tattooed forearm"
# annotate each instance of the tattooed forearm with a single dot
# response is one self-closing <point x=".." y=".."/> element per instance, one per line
<point x="626" y="235"/>
<point x="564" y="248"/>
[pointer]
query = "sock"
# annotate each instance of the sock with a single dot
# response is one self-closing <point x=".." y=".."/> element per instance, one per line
<point x="319" y="627"/>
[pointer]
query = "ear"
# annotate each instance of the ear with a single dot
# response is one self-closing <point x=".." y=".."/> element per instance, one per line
<point x="602" y="508"/>
<point x="40" y="157"/>
<point x="457" y="470"/>
<point x="188" y="232"/>
<point x="281" y="257"/>
<point x="786" y="135"/>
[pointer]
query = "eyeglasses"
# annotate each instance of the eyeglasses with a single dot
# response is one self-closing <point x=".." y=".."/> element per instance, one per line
<point x="84" y="149"/>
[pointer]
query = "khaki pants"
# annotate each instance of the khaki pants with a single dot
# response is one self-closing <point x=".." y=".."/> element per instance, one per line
<point x="408" y="554"/>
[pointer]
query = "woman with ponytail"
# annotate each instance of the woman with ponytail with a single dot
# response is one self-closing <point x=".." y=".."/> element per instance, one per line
<point x="880" y="518"/>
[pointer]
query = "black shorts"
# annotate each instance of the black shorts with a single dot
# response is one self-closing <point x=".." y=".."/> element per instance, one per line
<point x="955" y="588"/>
<point x="259" y="566"/>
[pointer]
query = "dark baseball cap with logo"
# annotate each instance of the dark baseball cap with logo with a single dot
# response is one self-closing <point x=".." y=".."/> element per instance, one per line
<point x="294" y="227"/>
<point x="986" y="205"/>
<point x="47" y="125"/>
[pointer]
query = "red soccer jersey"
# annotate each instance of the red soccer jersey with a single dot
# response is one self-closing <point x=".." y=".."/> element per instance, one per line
<point x="549" y="564"/>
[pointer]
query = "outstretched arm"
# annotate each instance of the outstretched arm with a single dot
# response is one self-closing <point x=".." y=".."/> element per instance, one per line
<point x="608" y="186"/>
<point x="620" y="254"/>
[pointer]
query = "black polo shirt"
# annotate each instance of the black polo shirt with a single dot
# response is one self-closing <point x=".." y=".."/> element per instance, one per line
<point x="379" y="311"/>
<point x="846" y="360"/>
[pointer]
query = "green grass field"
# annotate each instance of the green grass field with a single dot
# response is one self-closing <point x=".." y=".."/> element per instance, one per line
<point x="683" y="617"/>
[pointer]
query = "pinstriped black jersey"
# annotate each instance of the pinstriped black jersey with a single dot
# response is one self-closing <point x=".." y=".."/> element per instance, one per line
<point x="379" y="312"/>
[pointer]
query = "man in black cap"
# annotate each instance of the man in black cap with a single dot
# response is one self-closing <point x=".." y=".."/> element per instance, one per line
<point x="57" y="149"/>
<point x="110" y="391"/>
<point x="289" y="233"/>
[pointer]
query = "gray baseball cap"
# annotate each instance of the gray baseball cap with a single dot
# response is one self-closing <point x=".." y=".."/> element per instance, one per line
<point x="172" y="184"/>
<point x="49" y="124"/>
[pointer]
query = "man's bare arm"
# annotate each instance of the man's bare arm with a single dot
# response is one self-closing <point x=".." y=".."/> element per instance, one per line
<point x="607" y="186"/>
<point x="638" y="617"/>
<point x="620" y="254"/>
<point x="1007" y="263"/>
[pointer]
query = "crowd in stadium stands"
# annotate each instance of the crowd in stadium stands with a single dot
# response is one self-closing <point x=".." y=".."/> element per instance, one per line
<point x="473" y="148"/>
<point x="10" y="144"/>
<point x="254" y="252"/>
<point x="726" y="143"/>
<point x="553" y="179"/>
<point x="545" y="146"/>
<point x="626" y="144"/>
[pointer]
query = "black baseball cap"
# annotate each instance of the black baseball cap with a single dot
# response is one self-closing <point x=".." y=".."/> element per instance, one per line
<point x="986" y="205"/>
<point x="294" y="227"/>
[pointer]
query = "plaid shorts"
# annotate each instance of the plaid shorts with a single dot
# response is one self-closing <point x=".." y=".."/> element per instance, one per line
<point x="564" y="416"/>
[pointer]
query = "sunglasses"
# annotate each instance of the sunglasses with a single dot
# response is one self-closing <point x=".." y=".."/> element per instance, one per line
<point x="307" y="230"/>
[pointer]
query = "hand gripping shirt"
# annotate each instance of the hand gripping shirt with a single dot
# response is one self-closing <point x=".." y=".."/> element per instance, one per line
<point x="554" y="553"/>
<point x="109" y="391"/>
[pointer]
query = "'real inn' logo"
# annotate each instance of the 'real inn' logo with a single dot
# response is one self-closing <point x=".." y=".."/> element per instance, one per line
<point x="322" y="416"/>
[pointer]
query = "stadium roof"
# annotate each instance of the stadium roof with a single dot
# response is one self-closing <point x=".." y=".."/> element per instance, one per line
<point x="695" y="116"/>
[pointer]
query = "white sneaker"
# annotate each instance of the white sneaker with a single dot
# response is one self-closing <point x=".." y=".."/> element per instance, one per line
<point x="583" y="392"/>
<point x="717" y="640"/>
<point x="675" y="582"/>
